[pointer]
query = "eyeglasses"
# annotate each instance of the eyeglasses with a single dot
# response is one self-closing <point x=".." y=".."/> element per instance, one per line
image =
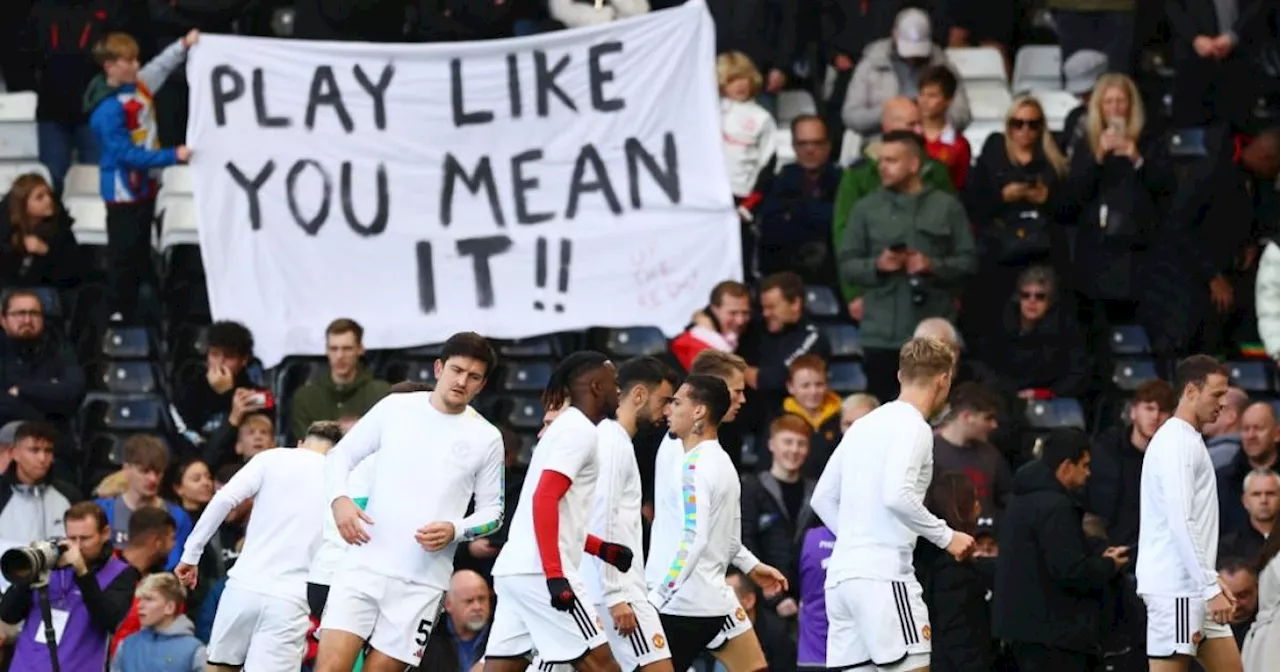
<point x="33" y="314"/>
<point x="808" y="143"/>
<point x="1032" y="124"/>
<point x="1037" y="296"/>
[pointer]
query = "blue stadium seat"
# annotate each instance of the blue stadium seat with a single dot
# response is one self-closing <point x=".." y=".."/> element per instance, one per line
<point x="524" y="413"/>
<point x="1055" y="413"/>
<point x="432" y="351"/>
<point x="843" y="339"/>
<point x="1128" y="374"/>
<point x="821" y="301"/>
<point x="629" y="341"/>
<point x="122" y="412"/>
<point x="1129" y="339"/>
<point x="127" y="343"/>
<point x="846" y="378"/>
<point x="417" y="370"/>
<point x="189" y="341"/>
<point x="132" y="377"/>
<point x="525" y="376"/>
<point x="1251" y="375"/>
<point x="527" y="348"/>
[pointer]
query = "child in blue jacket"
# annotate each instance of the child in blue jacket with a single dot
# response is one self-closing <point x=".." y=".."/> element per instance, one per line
<point x="121" y="112"/>
<point x="166" y="642"/>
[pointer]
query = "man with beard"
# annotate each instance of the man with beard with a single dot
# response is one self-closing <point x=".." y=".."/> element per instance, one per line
<point x="39" y="376"/>
<point x="459" y="645"/>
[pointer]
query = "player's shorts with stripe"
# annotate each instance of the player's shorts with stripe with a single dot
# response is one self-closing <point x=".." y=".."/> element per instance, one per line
<point x="524" y="622"/>
<point x="735" y="624"/>
<point x="394" y="615"/>
<point x="1177" y="625"/>
<point x="645" y="646"/>
<point x="876" y="622"/>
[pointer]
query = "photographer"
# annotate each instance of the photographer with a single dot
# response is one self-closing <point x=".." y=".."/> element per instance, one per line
<point x="89" y="591"/>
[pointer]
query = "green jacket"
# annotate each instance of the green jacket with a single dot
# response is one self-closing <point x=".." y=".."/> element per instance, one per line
<point x="862" y="178"/>
<point x="322" y="399"/>
<point x="931" y="221"/>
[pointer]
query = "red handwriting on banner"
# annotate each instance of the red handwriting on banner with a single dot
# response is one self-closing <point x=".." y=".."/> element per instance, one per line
<point x="659" y="281"/>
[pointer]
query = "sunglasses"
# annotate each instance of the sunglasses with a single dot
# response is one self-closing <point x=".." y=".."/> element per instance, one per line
<point x="1032" y="124"/>
<point x="1038" y="296"/>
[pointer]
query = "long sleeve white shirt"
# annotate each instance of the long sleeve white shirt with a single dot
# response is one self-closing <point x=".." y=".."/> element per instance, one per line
<point x="871" y="495"/>
<point x="285" y="530"/>
<point x="615" y="516"/>
<point x="430" y="465"/>
<point x="1178" y="516"/>
<point x="708" y="539"/>
<point x="329" y="558"/>
<point x="668" y="512"/>
<point x="750" y="142"/>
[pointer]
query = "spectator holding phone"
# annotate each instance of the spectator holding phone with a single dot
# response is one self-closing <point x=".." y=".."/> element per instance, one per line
<point x="213" y="409"/>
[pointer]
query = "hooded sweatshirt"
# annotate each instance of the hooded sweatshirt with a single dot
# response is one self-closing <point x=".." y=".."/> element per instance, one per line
<point x="173" y="648"/>
<point x="825" y="423"/>
<point x="323" y="399"/>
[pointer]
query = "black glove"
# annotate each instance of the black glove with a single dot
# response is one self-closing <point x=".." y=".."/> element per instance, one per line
<point x="562" y="596"/>
<point x="617" y="555"/>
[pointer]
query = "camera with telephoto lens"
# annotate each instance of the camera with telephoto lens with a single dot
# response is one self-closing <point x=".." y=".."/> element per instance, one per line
<point x="25" y="565"/>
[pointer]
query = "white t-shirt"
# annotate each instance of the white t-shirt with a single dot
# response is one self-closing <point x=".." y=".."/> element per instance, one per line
<point x="1178" y="516"/>
<point x="285" y="530"/>
<point x="710" y="535"/>
<point x="430" y="464"/>
<point x="568" y="447"/>
<point x="329" y="558"/>
<point x="668" y="511"/>
<point x="871" y="495"/>
<point x="615" y="516"/>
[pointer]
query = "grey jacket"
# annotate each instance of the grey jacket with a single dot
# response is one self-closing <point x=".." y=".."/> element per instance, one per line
<point x="875" y="81"/>
<point x="33" y="512"/>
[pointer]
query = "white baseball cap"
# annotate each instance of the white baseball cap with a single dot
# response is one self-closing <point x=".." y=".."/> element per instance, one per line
<point x="912" y="33"/>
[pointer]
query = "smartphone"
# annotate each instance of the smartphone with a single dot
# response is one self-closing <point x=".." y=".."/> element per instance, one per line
<point x="1117" y="125"/>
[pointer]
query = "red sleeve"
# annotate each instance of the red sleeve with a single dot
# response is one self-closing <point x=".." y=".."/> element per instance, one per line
<point x="130" y="625"/>
<point x="592" y="546"/>
<point x="546" y="520"/>
<point x="961" y="163"/>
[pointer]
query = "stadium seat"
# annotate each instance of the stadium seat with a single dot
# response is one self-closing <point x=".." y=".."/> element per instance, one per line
<point x="177" y="221"/>
<point x="792" y="104"/>
<point x="105" y="450"/>
<point x="430" y="351"/>
<point x="18" y="137"/>
<point x="189" y="341"/>
<point x="50" y="301"/>
<point x="134" y="377"/>
<point x="122" y="412"/>
<point x="786" y="151"/>
<point x="988" y="102"/>
<point x="177" y="180"/>
<point x="524" y="413"/>
<point x="1188" y="143"/>
<point x="90" y="215"/>
<point x="1129" y="339"/>
<point x="1055" y="413"/>
<point x="1251" y="375"/>
<point x="526" y="376"/>
<point x="527" y="348"/>
<point x="820" y="301"/>
<point x="846" y="378"/>
<point x="979" y="131"/>
<point x="1038" y="68"/>
<point x="629" y="342"/>
<point x="417" y="370"/>
<point x="1057" y="106"/>
<point x="12" y="170"/>
<point x="127" y="343"/>
<point x="82" y="180"/>
<point x="978" y="64"/>
<point x="1128" y="374"/>
<point x="293" y="373"/>
<point x="843" y="339"/>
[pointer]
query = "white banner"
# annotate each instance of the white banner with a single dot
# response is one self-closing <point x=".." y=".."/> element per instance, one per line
<point x="513" y="188"/>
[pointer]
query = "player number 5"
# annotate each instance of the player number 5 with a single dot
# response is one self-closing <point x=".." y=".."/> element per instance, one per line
<point x="424" y="632"/>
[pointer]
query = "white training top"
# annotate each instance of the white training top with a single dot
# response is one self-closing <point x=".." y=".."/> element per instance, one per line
<point x="871" y="495"/>
<point x="329" y="558"/>
<point x="615" y="516"/>
<point x="284" y="532"/>
<point x="749" y="136"/>
<point x="668" y="511"/>
<point x="1178" y="516"/>
<point x="709" y="534"/>
<point x="430" y="464"/>
<point x="568" y="447"/>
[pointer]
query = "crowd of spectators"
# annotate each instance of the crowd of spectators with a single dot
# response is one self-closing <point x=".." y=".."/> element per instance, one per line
<point x="1151" y="214"/>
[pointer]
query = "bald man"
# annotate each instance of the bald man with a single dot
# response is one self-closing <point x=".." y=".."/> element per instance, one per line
<point x="863" y="177"/>
<point x="460" y="646"/>
<point x="1222" y="437"/>
<point x="1258" y="435"/>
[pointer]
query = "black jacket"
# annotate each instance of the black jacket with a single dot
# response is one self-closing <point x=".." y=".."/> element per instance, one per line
<point x="767" y="527"/>
<point x="1114" y="486"/>
<point x="764" y="30"/>
<point x="107" y="607"/>
<point x="1051" y="355"/>
<point x="62" y="266"/>
<point x="206" y="413"/>
<point x="57" y="43"/>
<point x="1048" y="582"/>
<point x="49" y="380"/>
<point x="441" y="654"/>
<point x="993" y="171"/>
<point x="778" y="646"/>
<point x="773" y="353"/>
<point x="1232" y="516"/>
<point x="175" y="18"/>
<point x="795" y="224"/>
<point x="1191" y="18"/>
<point x="959" y="615"/>
<point x="350" y="20"/>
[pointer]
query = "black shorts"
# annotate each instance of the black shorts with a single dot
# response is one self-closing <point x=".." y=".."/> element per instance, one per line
<point x="688" y="636"/>
<point x="317" y="595"/>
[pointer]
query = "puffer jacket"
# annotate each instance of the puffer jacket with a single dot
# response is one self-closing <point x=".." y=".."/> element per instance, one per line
<point x="875" y="81"/>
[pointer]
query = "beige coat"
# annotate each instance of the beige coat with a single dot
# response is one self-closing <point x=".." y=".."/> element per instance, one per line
<point x="875" y="81"/>
<point x="1261" y="651"/>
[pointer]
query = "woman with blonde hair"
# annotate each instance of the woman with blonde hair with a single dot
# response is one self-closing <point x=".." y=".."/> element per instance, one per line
<point x="1012" y="199"/>
<point x="36" y="243"/>
<point x="1117" y="188"/>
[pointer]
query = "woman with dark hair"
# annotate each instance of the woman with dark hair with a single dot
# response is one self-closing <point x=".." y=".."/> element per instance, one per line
<point x="1261" y="651"/>
<point x="955" y="591"/>
<point x="36" y="243"/>
<point x="189" y="484"/>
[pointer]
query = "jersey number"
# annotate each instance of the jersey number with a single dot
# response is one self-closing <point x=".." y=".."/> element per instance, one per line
<point x="424" y="633"/>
